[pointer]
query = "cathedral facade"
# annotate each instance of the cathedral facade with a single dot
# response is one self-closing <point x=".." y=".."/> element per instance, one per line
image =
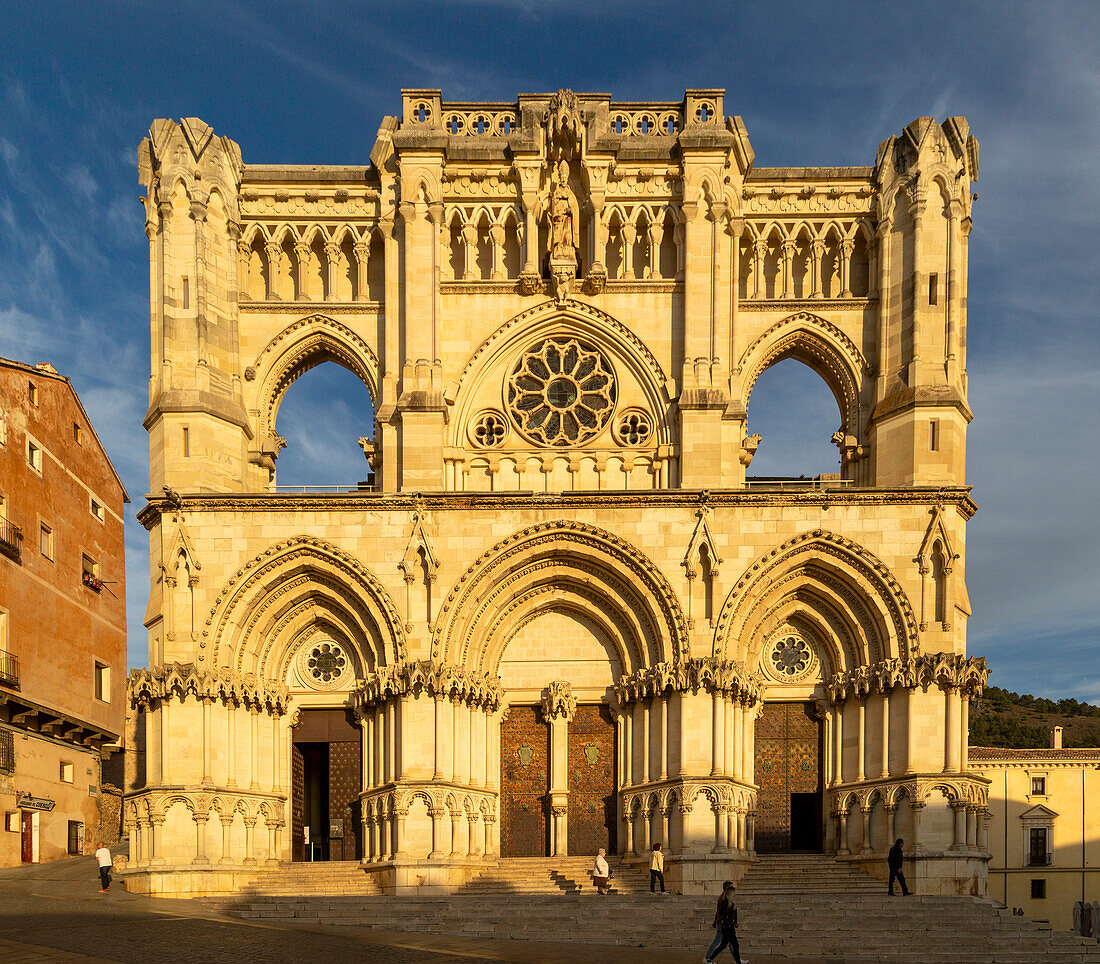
<point x="560" y="613"/>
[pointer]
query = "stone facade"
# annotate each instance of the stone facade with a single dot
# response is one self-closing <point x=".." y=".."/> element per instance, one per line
<point x="62" y="620"/>
<point x="560" y="307"/>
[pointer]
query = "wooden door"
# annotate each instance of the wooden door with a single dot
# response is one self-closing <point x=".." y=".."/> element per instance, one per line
<point x="28" y="836"/>
<point x="591" y="763"/>
<point x="344" y="778"/>
<point x="524" y="784"/>
<point x="297" y="803"/>
<point x="788" y="767"/>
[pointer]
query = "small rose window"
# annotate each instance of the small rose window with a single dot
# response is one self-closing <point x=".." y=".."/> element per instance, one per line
<point x="561" y="392"/>
<point x="791" y="656"/>
<point x="489" y="429"/>
<point x="633" y="428"/>
<point x="326" y="662"/>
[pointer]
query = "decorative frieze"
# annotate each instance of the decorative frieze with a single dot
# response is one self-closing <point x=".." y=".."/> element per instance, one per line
<point x="148" y="688"/>
<point x="708" y="673"/>
<point x="946" y="670"/>
<point x="432" y="678"/>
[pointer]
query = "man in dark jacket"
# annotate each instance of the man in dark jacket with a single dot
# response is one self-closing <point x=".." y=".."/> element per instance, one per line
<point x="894" y="862"/>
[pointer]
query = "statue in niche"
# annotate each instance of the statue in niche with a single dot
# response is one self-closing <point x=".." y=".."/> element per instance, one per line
<point x="564" y="214"/>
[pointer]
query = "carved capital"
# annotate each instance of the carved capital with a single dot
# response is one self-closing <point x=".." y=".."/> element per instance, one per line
<point x="558" y="700"/>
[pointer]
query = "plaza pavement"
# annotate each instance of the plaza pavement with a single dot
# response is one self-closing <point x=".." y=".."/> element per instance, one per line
<point x="54" y="912"/>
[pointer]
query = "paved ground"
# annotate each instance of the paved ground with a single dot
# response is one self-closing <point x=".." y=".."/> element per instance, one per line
<point x="53" y="912"/>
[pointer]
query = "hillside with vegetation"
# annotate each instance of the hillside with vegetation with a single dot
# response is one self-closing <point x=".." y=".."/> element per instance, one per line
<point x="1006" y="719"/>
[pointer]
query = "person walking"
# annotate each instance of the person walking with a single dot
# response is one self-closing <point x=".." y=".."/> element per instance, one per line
<point x="103" y="857"/>
<point x="657" y="869"/>
<point x="601" y="873"/>
<point x="725" y="923"/>
<point x="893" y="861"/>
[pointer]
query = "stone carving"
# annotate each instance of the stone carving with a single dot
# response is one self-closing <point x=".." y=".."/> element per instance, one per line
<point x="558" y="700"/>
<point x="591" y="754"/>
<point x="707" y="673"/>
<point x="946" y="670"/>
<point x="179" y="680"/>
<point x="525" y="754"/>
<point x="432" y="678"/>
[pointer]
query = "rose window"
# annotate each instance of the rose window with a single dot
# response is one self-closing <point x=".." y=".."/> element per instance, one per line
<point x="561" y="392"/>
<point x="326" y="662"/>
<point x="791" y="656"/>
<point x="633" y="428"/>
<point x="489" y="429"/>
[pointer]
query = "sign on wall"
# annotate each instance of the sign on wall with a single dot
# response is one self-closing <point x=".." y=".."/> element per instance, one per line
<point x="27" y="802"/>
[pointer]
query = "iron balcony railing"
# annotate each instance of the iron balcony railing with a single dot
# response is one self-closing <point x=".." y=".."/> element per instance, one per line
<point x="9" y="669"/>
<point x="10" y="537"/>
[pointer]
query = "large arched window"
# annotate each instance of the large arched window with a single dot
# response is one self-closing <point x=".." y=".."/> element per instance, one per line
<point x="322" y="417"/>
<point x="796" y="413"/>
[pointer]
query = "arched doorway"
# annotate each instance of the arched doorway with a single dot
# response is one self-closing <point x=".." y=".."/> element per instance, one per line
<point x="558" y="757"/>
<point x="790" y="774"/>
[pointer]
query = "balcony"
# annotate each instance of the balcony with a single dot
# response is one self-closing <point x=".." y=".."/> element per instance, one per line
<point x="10" y="537"/>
<point x="9" y="670"/>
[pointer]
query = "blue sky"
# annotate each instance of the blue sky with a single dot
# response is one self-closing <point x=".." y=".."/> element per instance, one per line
<point x="817" y="83"/>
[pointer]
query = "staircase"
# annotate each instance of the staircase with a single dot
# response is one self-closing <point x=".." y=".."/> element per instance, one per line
<point x="337" y="878"/>
<point x="549" y="875"/>
<point x="790" y="906"/>
<point x="793" y="874"/>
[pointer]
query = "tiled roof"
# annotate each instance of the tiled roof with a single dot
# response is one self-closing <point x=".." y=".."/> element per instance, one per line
<point x="1003" y="753"/>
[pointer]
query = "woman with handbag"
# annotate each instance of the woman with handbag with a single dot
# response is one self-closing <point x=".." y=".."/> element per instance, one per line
<point x="601" y="873"/>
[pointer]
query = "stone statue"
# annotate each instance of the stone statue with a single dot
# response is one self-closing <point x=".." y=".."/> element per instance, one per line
<point x="564" y="214"/>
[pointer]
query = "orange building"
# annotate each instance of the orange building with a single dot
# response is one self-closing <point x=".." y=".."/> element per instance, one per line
<point x="62" y="616"/>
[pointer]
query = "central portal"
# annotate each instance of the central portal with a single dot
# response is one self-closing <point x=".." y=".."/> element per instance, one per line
<point x="525" y="782"/>
<point x="325" y="773"/>
<point x="789" y="774"/>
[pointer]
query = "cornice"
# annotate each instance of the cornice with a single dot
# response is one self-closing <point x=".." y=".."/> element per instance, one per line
<point x="311" y="307"/>
<point x="816" y="305"/>
<point x="958" y="496"/>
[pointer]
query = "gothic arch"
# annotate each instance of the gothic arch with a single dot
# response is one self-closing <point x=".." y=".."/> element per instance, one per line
<point x="574" y="318"/>
<point x="823" y="347"/>
<point x="573" y="556"/>
<point x="303" y="345"/>
<point x="262" y="608"/>
<point x="832" y="581"/>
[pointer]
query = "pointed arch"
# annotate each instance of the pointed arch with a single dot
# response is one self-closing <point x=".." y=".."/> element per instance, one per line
<point x="301" y="346"/>
<point x="572" y="558"/>
<point x="261" y="611"/>
<point x="577" y="319"/>
<point x="857" y="607"/>
<point x="822" y="346"/>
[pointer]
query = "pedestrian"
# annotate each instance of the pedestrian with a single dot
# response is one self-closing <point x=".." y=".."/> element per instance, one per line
<point x="601" y="873"/>
<point x="103" y="856"/>
<point x="894" y="862"/>
<point x="657" y="869"/>
<point x="725" y="923"/>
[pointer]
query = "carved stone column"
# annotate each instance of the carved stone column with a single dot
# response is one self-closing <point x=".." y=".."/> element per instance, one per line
<point x="866" y="848"/>
<point x="629" y="233"/>
<point x="200" y="817"/>
<point x="469" y="252"/>
<point x="817" y="254"/>
<point x="332" y="262"/>
<point x="787" y="250"/>
<point x="971" y="827"/>
<point x="842" y="815"/>
<point x="846" y="248"/>
<point x="226" y="820"/>
<point x="250" y="839"/>
<point x="656" y="232"/>
<point x="891" y="824"/>
<point x="244" y="257"/>
<point x="437" y="814"/>
<point x="302" y="251"/>
<point x="361" y="250"/>
<point x="916" y="807"/>
<point x="958" y="809"/>
<point x="496" y="236"/>
<point x="559" y="706"/>
<point x="759" y="254"/>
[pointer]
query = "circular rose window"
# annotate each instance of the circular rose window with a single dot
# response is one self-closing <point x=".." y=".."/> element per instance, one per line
<point x="791" y="656"/>
<point x="326" y="662"/>
<point x="561" y="392"/>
